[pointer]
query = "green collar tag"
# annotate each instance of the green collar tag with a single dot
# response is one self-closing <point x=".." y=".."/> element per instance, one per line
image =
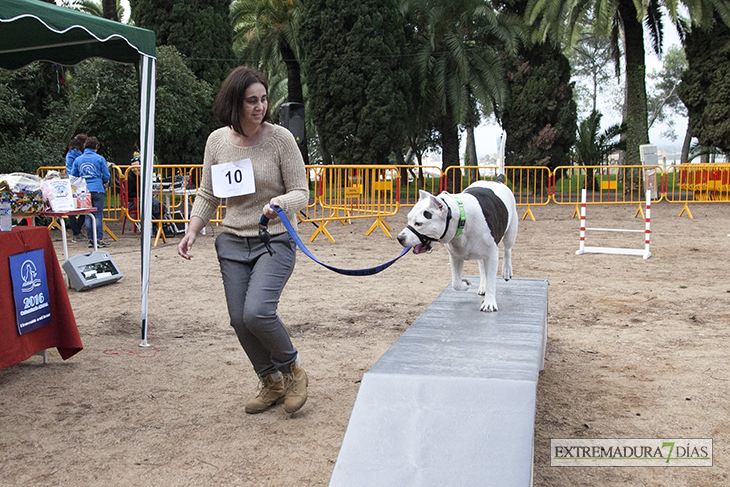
<point x="462" y="217"/>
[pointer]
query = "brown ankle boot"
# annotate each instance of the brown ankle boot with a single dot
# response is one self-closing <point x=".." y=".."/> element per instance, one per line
<point x="296" y="389"/>
<point x="271" y="392"/>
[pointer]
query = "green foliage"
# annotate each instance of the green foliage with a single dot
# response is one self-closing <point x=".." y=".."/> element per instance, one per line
<point x="93" y="7"/>
<point x="182" y="108"/>
<point x="29" y="135"/>
<point x="562" y="21"/>
<point x="705" y="87"/>
<point x="354" y="76"/>
<point x="265" y="34"/>
<point x="592" y="147"/>
<point x="182" y="115"/>
<point x="591" y="59"/>
<point x="540" y="116"/>
<point x="199" y="29"/>
<point x="663" y="101"/>
<point x="104" y="97"/>
<point x="457" y="46"/>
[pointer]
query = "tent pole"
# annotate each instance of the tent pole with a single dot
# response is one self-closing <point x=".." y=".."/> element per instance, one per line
<point x="146" y="150"/>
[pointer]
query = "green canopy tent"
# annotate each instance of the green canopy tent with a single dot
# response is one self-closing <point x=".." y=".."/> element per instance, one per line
<point x="31" y="30"/>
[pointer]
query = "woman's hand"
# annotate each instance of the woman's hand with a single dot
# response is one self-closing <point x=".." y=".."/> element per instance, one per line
<point x="186" y="244"/>
<point x="269" y="211"/>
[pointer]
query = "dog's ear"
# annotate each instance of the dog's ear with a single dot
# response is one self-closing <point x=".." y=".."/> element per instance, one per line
<point x="436" y="203"/>
<point x="433" y="201"/>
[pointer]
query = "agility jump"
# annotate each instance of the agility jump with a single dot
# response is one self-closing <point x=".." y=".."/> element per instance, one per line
<point x="614" y="250"/>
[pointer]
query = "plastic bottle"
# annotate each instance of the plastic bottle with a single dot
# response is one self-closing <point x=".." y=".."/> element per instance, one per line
<point x="6" y="222"/>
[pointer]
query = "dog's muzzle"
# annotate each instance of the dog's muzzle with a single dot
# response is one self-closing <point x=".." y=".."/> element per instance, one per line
<point x="426" y="242"/>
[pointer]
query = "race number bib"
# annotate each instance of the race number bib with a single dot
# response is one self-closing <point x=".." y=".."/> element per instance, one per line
<point x="233" y="179"/>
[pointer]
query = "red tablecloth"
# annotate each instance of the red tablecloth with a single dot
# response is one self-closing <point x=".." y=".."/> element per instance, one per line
<point x="61" y="332"/>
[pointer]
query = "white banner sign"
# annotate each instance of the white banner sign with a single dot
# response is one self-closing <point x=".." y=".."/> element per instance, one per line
<point x="233" y="179"/>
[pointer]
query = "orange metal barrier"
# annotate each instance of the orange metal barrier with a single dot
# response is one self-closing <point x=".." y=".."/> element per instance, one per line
<point x="347" y="192"/>
<point x="176" y="187"/>
<point x="530" y="185"/>
<point x="605" y="185"/>
<point x="343" y="193"/>
<point x="707" y="183"/>
<point x="415" y="178"/>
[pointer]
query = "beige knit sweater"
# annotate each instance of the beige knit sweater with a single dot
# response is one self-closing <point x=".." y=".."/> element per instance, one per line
<point x="278" y="170"/>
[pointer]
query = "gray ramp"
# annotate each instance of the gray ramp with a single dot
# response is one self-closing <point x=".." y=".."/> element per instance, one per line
<point x="452" y="402"/>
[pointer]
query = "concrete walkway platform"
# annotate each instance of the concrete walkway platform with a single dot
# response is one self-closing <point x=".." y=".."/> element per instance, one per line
<point x="452" y="402"/>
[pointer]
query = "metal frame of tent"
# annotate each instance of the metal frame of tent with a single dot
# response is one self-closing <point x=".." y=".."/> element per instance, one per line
<point x="31" y="30"/>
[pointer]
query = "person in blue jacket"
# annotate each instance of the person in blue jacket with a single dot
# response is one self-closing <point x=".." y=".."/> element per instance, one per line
<point x="75" y="148"/>
<point x="93" y="168"/>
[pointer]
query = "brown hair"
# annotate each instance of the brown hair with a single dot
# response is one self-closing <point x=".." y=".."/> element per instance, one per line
<point x="228" y="105"/>
<point x="77" y="142"/>
<point x="91" y="143"/>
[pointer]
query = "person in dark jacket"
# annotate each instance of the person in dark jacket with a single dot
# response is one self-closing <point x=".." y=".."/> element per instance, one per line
<point x="93" y="168"/>
<point x="75" y="148"/>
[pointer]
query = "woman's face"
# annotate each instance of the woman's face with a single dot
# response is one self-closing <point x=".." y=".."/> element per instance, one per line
<point x="255" y="104"/>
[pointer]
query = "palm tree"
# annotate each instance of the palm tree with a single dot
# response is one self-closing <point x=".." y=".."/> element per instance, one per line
<point x="560" y="20"/>
<point x="109" y="9"/>
<point x="265" y="31"/>
<point x="593" y="148"/>
<point x="457" y="57"/>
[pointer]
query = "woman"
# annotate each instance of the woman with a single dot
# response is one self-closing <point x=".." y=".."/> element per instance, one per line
<point x="75" y="147"/>
<point x="252" y="278"/>
<point x="93" y="168"/>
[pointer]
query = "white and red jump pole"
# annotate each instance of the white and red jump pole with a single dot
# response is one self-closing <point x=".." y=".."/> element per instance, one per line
<point x="614" y="250"/>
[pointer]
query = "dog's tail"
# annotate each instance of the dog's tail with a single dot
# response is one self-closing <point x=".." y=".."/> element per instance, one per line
<point x="500" y="178"/>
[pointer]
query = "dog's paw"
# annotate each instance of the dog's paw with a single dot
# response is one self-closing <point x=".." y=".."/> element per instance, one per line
<point x="507" y="272"/>
<point x="488" y="307"/>
<point x="462" y="285"/>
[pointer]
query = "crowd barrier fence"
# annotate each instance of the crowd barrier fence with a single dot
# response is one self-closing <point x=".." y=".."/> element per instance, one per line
<point x="686" y="183"/>
<point x="530" y="185"/>
<point x="347" y="192"/>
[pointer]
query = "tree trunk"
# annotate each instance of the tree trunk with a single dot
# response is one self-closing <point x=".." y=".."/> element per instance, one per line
<point x="684" y="158"/>
<point x="450" y="150"/>
<point x="471" y="154"/>
<point x="326" y="157"/>
<point x="109" y="10"/>
<point x="294" y="87"/>
<point x="637" y="132"/>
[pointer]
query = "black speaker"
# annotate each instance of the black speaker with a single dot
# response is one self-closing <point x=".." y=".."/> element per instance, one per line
<point x="87" y="271"/>
<point x="292" y="117"/>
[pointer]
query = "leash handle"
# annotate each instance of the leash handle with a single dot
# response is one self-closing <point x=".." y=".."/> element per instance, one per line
<point x="264" y="235"/>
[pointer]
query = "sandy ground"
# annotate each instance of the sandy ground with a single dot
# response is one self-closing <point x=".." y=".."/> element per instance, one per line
<point x="637" y="349"/>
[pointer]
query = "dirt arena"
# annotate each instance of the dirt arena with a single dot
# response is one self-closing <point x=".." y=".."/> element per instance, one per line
<point x="636" y="349"/>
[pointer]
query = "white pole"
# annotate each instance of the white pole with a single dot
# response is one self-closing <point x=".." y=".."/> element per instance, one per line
<point x="581" y="249"/>
<point x="647" y="232"/>
<point x="500" y="161"/>
<point x="147" y="154"/>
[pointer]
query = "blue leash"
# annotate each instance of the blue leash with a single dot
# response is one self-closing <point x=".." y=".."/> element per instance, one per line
<point x="265" y="239"/>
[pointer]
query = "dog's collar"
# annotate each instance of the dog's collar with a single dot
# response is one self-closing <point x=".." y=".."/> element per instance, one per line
<point x="426" y="241"/>
<point x="462" y="216"/>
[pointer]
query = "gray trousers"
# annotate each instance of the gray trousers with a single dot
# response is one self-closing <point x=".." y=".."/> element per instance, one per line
<point x="253" y="281"/>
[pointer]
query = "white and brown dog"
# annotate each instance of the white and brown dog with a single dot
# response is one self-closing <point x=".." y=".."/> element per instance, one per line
<point x="471" y="225"/>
